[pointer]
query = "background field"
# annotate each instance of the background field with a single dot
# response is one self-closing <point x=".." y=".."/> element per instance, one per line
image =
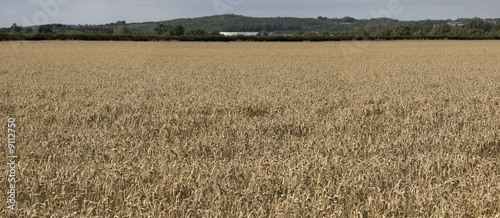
<point x="177" y="129"/>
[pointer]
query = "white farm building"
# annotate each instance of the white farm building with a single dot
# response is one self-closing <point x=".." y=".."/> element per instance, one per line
<point x="239" y="33"/>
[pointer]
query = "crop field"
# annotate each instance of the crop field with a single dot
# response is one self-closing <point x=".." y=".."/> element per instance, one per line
<point x="251" y="129"/>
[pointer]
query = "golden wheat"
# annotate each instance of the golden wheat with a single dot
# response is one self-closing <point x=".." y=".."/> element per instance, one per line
<point x="242" y="129"/>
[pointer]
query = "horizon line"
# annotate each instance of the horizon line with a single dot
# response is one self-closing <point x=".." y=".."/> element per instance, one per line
<point x="139" y="22"/>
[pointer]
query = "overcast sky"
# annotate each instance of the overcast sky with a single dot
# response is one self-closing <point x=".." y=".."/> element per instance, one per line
<point x="35" y="12"/>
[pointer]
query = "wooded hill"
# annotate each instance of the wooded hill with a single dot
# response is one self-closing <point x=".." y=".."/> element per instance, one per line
<point x="318" y="29"/>
<point x="239" y="23"/>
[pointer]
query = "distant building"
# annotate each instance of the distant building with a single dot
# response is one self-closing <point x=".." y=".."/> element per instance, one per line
<point x="455" y="23"/>
<point x="239" y="33"/>
<point x="451" y="24"/>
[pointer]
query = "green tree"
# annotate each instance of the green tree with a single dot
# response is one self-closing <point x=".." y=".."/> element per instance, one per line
<point x="358" y="32"/>
<point x="474" y="32"/>
<point x="89" y="29"/>
<point x="458" y="31"/>
<point x="122" y="30"/>
<point x="300" y="33"/>
<point x="169" y="30"/>
<point x="178" y="30"/>
<point x="45" y="29"/>
<point x="495" y="31"/>
<point x="28" y="30"/>
<point x="162" y="29"/>
<point x="325" y="33"/>
<point x="310" y="34"/>
<point x="15" y="28"/>
<point x="377" y="31"/>
<point x="400" y="30"/>
<point x="348" y="19"/>
<point x="478" y="23"/>
<point x="196" y="32"/>
<point x="74" y="32"/>
<point x="416" y="31"/>
<point x="440" y="30"/>
<point x="214" y="33"/>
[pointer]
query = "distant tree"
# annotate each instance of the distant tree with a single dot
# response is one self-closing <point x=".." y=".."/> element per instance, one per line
<point x="383" y="22"/>
<point x="478" y="23"/>
<point x="214" y="33"/>
<point x="52" y="28"/>
<point x="426" y="29"/>
<point x="4" y="30"/>
<point x="348" y="19"/>
<point x="15" y="28"/>
<point x="416" y="30"/>
<point x="474" y="32"/>
<point x="325" y="33"/>
<point x="377" y="31"/>
<point x="457" y="31"/>
<point x="495" y="31"/>
<point x="310" y="34"/>
<point x="196" y="32"/>
<point x="89" y="29"/>
<point x="28" y="30"/>
<point x="45" y="29"/>
<point x="300" y="33"/>
<point x="263" y="33"/>
<point x="169" y="30"/>
<point x="496" y="27"/>
<point x="440" y="30"/>
<point x="475" y="23"/>
<point x="117" y="23"/>
<point x="336" y="19"/>
<point x="74" y="32"/>
<point x="178" y="30"/>
<point x="161" y="29"/>
<point x="149" y="33"/>
<point x="122" y="30"/>
<point x="400" y="30"/>
<point x="59" y="28"/>
<point x="358" y="32"/>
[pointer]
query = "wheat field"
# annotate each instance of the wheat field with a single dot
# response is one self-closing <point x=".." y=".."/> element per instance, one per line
<point x="249" y="129"/>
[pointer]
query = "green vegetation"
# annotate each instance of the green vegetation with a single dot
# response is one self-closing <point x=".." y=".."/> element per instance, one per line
<point x="274" y="29"/>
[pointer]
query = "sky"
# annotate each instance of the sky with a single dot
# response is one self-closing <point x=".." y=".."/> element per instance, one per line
<point x="36" y="12"/>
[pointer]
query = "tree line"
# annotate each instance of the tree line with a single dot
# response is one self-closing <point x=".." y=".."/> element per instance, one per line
<point x="380" y="28"/>
<point x="474" y="28"/>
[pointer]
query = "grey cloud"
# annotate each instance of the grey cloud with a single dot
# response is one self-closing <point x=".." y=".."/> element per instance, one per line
<point x="99" y="12"/>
